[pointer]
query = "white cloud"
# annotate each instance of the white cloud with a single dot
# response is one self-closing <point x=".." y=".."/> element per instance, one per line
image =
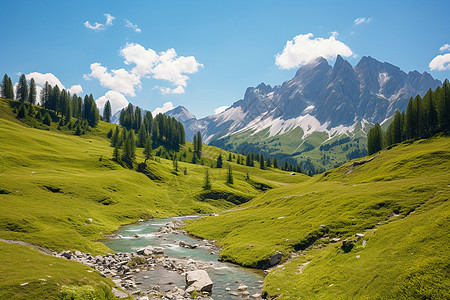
<point x="359" y="21"/>
<point x="166" y="65"/>
<point x="75" y="89"/>
<point x="444" y="48"/>
<point x="220" y="109"/>
<point x="117" y="100"/>
<point x="304" y="48"/>
<point x="144" y="59"/>
<point x="99" y="26"/>
<point x="132" y="26"/>
<point x="440" y="63"/>
<point x="178" y="90"/>
<point x="172" y="67"/>
<point x="117" y="80"/>
<point x="166" y="107"/>
<point x="41" y="78"/>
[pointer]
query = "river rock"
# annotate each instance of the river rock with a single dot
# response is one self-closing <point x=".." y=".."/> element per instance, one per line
<point x="242" y="288"/>
<point x="198" y="280"/>
<point x="147" y="251"/>
<point x="187" y="245"/>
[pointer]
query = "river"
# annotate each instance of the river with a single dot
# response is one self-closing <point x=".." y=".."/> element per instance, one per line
<point x="226" y="276"/>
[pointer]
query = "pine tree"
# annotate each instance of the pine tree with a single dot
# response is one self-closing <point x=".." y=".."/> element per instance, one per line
<point x="269" y="162"/>
<point x="185" y="171"/>
<point x="444" y="106"/>
<point x="409" y="121"/>
<point x="148" y="149"/>
<point x="175" y="164"/>
<point x="10" y="90"/>
<point x="229" y="157"/>
<point x="275" y="163"/>
<point x="261" y="162"/>
<point x="22" y="89"/>
<point x="142" y="137"/>
<point x="375" y="139"/>
<point x="4" y="87"/>
<point x="47" y="120"/>
<point x="230" y="175"/>
<point x="207" y="182"/>
<point x="219" y="161"/>
<point x="199" y="145"/>
<point x="116" y="153"/>
<point x="107" y="112"/>
<point x="23" y="112"/>
<point x="32" y="94"/>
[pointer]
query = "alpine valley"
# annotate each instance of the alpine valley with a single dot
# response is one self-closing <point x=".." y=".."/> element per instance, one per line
<point x="322" y="115"/>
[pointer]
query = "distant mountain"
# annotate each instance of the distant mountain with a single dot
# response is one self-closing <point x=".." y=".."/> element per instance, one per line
<point x="319" y="97"/>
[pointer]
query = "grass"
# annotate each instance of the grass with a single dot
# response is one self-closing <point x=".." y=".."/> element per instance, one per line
<point x="32" y="275"/>
<point x="63" y="192"/>
<point x="410" y="180"/>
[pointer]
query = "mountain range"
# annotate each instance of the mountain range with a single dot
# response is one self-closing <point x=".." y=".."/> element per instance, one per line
<point x="321" y="100"/>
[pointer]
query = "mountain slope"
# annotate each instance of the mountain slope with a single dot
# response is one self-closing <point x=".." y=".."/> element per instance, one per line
<point x="396" y="191"/>
<point x="334" y="101"/>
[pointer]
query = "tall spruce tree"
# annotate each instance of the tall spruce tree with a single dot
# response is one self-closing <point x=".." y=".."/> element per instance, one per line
<point x="22" y="89"/>
<point x="4" y="86"/>
<point x="148" y="149"/>
<point x="375" y="139"/>
<point x="219" y="161"/>
<point x="261" y="162"/>
<point x="32" y="94"/>
<point x="230" y="175"/>
<point x="107" y="112"/>
<point x="207" y="182"/>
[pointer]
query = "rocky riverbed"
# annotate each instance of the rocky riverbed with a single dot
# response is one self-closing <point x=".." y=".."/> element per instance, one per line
<point x="130" y="270"/>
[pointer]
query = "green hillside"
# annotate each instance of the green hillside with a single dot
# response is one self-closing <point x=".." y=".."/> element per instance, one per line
<point x="398" y="200"/>
<point x="64" y="192"/>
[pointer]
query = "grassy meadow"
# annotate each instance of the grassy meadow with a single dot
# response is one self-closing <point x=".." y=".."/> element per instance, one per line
<point x="64" y="192"/>
<point x="399" y="201"/>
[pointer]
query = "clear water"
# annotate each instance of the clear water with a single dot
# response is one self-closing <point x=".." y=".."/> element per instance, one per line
<point x="224" y="275"/>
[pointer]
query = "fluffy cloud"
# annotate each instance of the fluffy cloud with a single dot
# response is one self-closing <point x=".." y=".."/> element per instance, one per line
<point x="41" y="78"/>
<point x="172" y="67"/>
<point x="144" y="59"/>
<point x="444" y="48"/>
<point x="132" y="26"/>
<point x="117" y="100"/>
<point x="117" y="80"/>
<point x="178" y="90"/>
<point x="304" y="48"/>
<point x="166" y="107"/>
<point x="166" y="65"/>
<point x="359" y="21"/>
<point x="99" y="26"/>
<point x="440" y="63"/>
<point x="220" y="109"/>
<point x="75" y="89"/>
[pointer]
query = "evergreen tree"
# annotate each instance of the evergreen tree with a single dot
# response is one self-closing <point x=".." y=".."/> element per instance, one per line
<point x="430" y="108"/>
<point x="107" y="112"/>
<point x="275" y="163"/>
<point x="269" y="162"/>
<point x="115" y="137"/>
<point x="4" y="87"/>
<point x="22" y="89"/>
<point x="45" y="95"/>
<point x="116" y="153"/>
<point x="130" y="146"/>
<point x="137" y="118"/>
<point x="175" y="164"/>
<point x="375" y="139"/>
<point x="10" y="90"/>
<point x="148" y="149"/>
<point x="409" y="121"/>
<point x="230" y="175"/>
<point x="229" y="157"/>
<point x="444" y="106"/>
<point x="199" y="145"/>
<point x="185" y="171"/>
<point x="219" y="161"/>
<point x="207" y="182"/>
<point x="142" y="137"/>
<point x="47" y="120"/>
<point x="248" y="161"/>
<point x="261" y="162"/>
<point x="23" y="112"/>
<point x="32" y="94"/>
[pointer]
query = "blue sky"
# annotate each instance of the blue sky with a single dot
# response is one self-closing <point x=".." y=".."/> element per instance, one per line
<point x="219" y="47"/>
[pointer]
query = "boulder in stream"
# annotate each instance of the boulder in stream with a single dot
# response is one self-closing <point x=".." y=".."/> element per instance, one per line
<point x="198" y="280"/>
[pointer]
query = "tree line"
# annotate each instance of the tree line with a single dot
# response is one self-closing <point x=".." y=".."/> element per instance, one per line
<point x="423" y="118"/>
<point x="164" y="130"/>
<point x="59" y="105"/>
